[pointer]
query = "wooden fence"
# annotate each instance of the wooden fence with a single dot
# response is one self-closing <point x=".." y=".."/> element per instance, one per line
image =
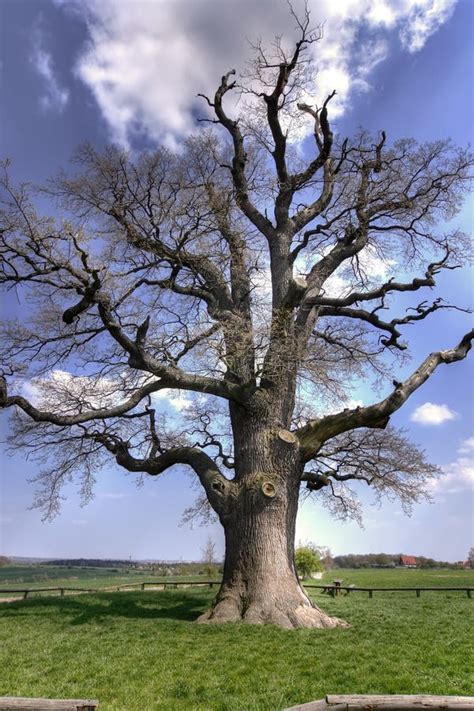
<point x="26" y="591"/>
<point x="161" y="585"/>
<point x="334" y="590"/>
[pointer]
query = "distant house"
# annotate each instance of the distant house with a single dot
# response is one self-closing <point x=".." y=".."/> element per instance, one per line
<point x="407" y="561"/>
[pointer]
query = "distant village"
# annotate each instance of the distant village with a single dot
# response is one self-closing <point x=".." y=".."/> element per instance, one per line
<point x="175" y="567"/>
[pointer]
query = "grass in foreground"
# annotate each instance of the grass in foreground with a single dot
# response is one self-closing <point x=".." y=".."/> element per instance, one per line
<point x="141" y="651"/>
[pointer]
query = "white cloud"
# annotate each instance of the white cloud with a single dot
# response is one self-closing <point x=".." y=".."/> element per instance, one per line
<point x="352" y="404"/>
<point x="146" y="61"/>
<point x="61" y="388"/>
<point x="425" y="18"/>
<point x="54" y="97"/>
<point x="374" y="267"/>
<point x="459" y="474"/>
<point x="467" y="446"/>
<point x="431" y="414"/>
<point x="177" y="399"/>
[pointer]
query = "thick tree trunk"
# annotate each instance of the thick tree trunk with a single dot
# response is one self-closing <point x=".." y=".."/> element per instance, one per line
<point x="259" y="582"/>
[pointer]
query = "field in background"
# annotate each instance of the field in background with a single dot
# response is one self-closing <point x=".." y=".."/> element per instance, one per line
<point x="140" y="650"/>
<point x="41" y="576"/>
<point x="400" y="577"/>
<point x="38" y="576"/>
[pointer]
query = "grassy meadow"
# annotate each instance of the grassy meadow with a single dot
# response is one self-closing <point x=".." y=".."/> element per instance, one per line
<point x="141" y="651"/>
<point x="49" y="576"/>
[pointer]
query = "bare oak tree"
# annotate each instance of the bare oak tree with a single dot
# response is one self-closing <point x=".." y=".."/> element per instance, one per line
<point x="236" y="273"/>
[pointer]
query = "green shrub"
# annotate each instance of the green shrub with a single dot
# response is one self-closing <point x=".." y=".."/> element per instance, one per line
<point x="307" y="561"/>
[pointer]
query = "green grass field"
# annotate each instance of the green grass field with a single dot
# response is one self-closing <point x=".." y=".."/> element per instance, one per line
<point x="45" y="576"/>
<point x="141" y="650"/>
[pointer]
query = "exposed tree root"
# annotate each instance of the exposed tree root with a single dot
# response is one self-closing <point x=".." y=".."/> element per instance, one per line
<point x="229" y="610"/>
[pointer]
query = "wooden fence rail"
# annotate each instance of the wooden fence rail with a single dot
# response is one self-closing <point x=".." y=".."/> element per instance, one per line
<point x="331" y="589"/>
<point x="154" y="583"/>
<point x="395" y="702"/>
<point x="352" y="588"/>
<point x="61" y="590"/>
<point x="17" y="703"/>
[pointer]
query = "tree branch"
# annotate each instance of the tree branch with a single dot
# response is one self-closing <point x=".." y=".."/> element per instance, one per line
<point x="391" y="286"/>
<point x="219" y="490"/>
<point x="239" y="161"/>
<point x="313" y="435"/>
<point x="86" y="416"/>
<point x="421" y="312"/>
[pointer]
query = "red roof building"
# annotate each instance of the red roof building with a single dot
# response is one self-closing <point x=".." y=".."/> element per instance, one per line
<point x="408" y="561"/>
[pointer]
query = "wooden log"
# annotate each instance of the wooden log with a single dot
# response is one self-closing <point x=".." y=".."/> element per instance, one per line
<point x="402" y="702"/>
<point x="15" y="703"/>
<point x="394" y="702"/>
<point x="317" y="706"/>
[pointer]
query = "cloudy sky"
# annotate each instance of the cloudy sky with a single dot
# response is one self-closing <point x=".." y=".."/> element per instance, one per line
<point x="128" y="71"/>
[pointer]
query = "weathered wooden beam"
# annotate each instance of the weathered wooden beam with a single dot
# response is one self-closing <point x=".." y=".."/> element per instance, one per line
<point x="402" y="701"/>
<point x="387" y="703"/>
<point x="317" y="706"/>
<point x="16" y="703"/>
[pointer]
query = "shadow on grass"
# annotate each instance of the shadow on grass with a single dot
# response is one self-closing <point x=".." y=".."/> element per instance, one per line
<point x="84" y="609"/>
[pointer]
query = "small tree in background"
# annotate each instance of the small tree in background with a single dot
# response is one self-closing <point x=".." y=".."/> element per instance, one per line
<point x="208" y="557"/>
<point x="470" y="557"/>
<point x="307" y="561"/>
<point x="326" y="557"/>
<point x="4" y="560"/>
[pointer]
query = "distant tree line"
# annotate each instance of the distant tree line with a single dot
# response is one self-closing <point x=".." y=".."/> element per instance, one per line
<point x="90" y="563"/>
<point x="385" y="560"/>
<point x="210" y="566"/>
<point x="207" y="567"/>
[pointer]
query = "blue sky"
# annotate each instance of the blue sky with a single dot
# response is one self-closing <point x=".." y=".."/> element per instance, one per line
<point x="104" y="70"/>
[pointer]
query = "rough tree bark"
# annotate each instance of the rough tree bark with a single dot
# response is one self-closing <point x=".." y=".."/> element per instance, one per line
<point x="259" y="580"/>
